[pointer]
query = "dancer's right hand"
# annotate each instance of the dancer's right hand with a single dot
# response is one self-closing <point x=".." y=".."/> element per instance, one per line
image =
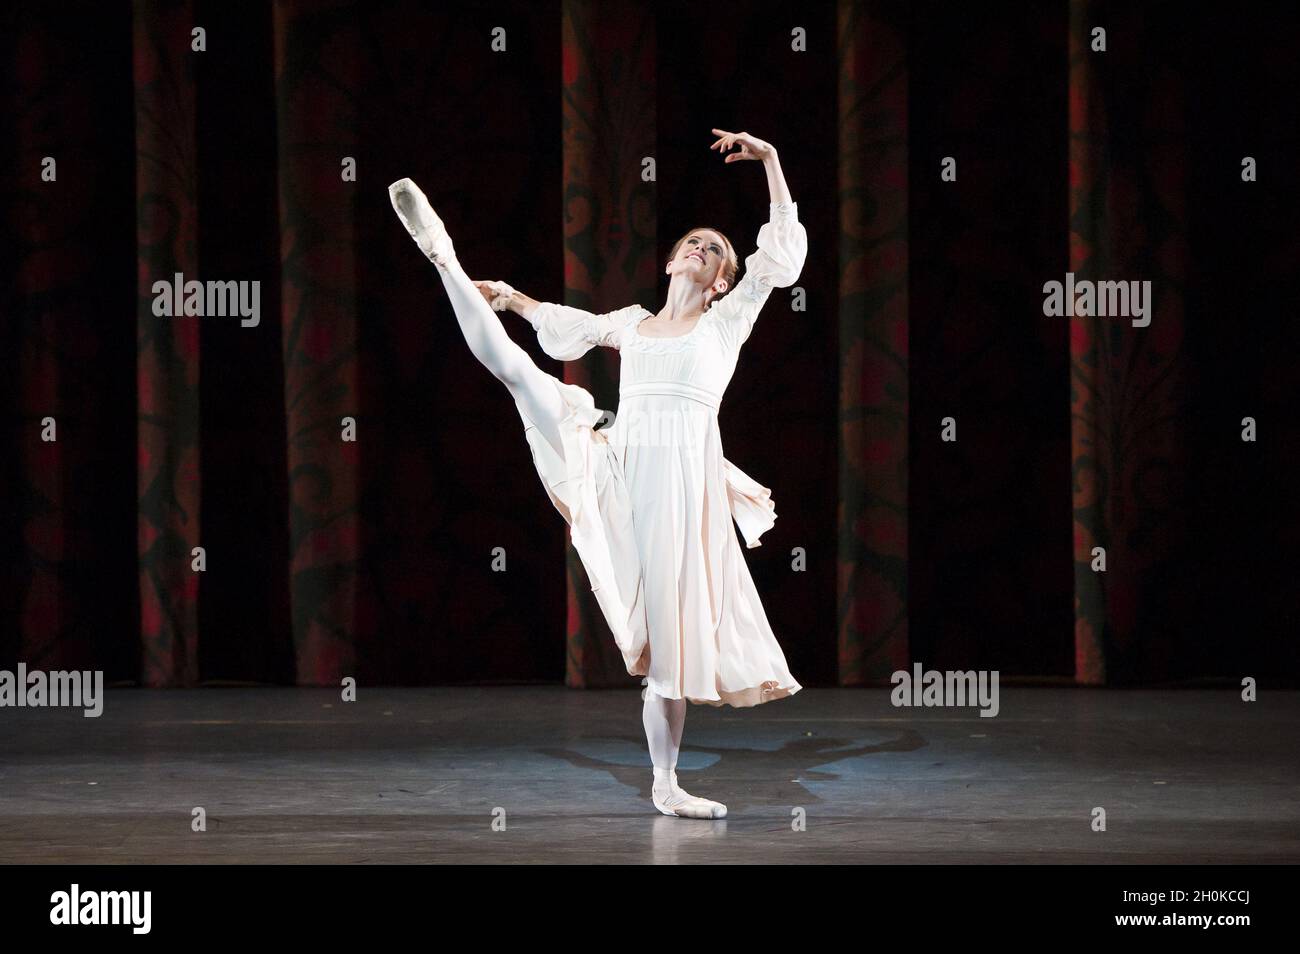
<point x="496" y="294"/>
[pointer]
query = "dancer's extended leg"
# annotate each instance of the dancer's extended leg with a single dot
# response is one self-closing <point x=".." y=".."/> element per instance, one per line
<point x="531" y="387"/>
<point x="664" y="720"/>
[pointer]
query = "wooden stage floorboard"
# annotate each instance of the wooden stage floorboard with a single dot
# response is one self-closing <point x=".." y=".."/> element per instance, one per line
<point x="415" y="775"/>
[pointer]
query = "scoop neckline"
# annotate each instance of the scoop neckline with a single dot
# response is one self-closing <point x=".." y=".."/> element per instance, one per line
<point x="636" y="328"/>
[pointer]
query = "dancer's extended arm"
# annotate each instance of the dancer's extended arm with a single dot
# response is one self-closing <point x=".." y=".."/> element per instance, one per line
<point x="504" y="297"/>
<point x="565" y="333"/>
<point x="522" y="305"/>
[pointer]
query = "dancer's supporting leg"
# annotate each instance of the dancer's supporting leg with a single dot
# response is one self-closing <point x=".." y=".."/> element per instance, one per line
<point x="664" y="720"/>
<point x="530" y="386"/>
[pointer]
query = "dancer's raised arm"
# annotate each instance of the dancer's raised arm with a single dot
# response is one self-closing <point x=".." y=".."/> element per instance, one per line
<point x="751" y="147"/>
<point x="782" y="242"/>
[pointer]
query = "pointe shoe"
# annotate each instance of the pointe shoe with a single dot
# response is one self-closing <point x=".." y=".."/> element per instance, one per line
<point x="417" y="215"/>
<point x="675" y="801"/>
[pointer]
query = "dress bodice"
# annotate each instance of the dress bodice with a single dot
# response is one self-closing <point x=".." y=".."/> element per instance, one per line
<point x="699" y="364"/>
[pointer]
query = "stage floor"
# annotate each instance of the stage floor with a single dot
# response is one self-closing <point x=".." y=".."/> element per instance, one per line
<point x="415" y="775"/>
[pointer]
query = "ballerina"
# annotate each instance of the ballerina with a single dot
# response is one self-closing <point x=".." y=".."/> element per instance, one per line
<point x="650" y="499"/>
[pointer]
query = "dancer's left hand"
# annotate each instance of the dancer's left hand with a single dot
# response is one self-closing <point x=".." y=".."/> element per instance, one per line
<point x="751" y="147"/>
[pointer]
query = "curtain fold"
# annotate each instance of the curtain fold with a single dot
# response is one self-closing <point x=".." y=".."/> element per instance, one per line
<point x="167" y="359"/>
<point x="873" y="323"/>
<point x="316" y="72"/>
<point x="1128" y="221"/>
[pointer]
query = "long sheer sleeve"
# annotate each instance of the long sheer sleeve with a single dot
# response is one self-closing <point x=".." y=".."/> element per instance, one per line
<point x="567" y="333"/>
<point x="782" y="248"/>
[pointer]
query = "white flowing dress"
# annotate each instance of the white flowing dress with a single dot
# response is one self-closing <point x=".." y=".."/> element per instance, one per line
<point x="649" y="500"/>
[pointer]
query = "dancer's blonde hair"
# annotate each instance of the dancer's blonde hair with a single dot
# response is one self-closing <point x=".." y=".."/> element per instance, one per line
<point x="730" y="263"/>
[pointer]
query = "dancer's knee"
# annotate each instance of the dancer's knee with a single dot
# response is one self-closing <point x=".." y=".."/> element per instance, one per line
<point x="510" y="364"/>
<point x="512" y="374"/>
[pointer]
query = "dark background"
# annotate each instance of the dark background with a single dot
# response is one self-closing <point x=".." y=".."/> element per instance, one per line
<point x="442" y="472"/>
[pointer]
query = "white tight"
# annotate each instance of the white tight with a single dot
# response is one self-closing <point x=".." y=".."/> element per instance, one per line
<point x="534" y="391"/>
<point x="531" y="387"/>
<point x="664" y="720"/>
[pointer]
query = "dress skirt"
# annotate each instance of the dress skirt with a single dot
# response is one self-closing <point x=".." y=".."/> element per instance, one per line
<point x="650" y="516"/>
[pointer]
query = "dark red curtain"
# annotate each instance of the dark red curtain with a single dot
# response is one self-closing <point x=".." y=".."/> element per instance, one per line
<point x="1195" y="522"/>
<point x="68" y="568"/>
<point x="871" y="522"/>
<point x="988" y="561"/>
<point x="527" y="124"/>
<point x="170" y="484"/>
<point x="1128" y="216"/>
<point x="317" y="81"/>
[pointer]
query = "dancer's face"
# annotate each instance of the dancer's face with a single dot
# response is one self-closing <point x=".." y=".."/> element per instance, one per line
<point x="701" y="256"/>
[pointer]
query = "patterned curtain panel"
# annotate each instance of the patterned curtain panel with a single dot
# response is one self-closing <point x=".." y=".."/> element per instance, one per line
<point x="1129" y="422"/>
<point x="67" y="550"/>
<point x="608" y="121"/>
<point x="872" y="519"/>
<point x="316" y="79"/>
<point x="167" y="361"/>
